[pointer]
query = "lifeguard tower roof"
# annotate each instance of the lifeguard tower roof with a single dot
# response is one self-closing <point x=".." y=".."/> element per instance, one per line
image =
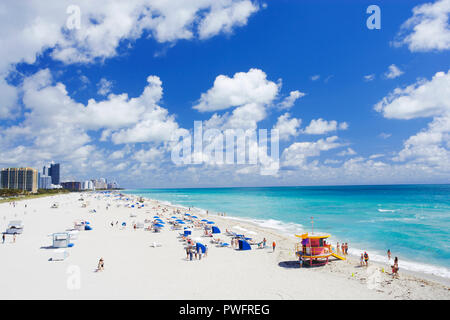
<point x="315" y="235"/>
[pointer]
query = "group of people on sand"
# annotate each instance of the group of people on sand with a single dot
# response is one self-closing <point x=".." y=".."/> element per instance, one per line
<point x="197" y="253"/>
<point x="342" y="249"/>
<point x="365" y="261"/>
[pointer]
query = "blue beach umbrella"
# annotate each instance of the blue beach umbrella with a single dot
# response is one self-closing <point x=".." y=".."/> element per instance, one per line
<point x="181" y="222"/>
<point x="210" y="222"/>
<point x="173" y="217"/>
<point x="156" y="217"/>
<point x="195" y="217"/>
<point x="159" y="225"/>
<point x="204" y="220"/>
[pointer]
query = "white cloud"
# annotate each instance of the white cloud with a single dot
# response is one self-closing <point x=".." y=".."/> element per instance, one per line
<point x="298" y="153"/>
<point x="243" y="88"/>
<point x="384" y="135"/>
<point x="393" y="72"/>
<point x="429" y="147"/>
<point x="422" y="99"/>
<point x="287" y="127"/>
<point x="289" y="101"/>
<point x="321" y="126"/>
<point x="369" y="77"/>
<point x="348" y="152"/>
<point x="315" y="77"/>
<point x="224" y="15"/>
<point x="428" y="29"/>
<point x="104" y="87"/>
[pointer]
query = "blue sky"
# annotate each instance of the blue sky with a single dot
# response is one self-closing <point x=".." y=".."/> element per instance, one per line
<point x="320" y="49"/>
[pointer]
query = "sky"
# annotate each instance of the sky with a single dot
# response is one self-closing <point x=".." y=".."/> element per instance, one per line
<point x="109" y="89"/>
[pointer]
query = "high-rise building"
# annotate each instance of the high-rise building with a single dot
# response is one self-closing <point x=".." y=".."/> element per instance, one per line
<point x="25" y="179"/>
<point x="72" y="185"/>
<point x="53" y="172"/>
<point x="45" y="171"/>
<point x="45" y="182"/>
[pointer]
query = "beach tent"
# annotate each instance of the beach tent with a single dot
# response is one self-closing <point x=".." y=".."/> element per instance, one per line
<point x="200" y="246"/>
<point x="215" y="230"/>
<point x="243" y="245"/>
<point x="59" y="254"/>
<point x="87" y="227"/>
<point x="187" y="232"/>
<point x="15" y="226"/>
<point x="61" y="240"/>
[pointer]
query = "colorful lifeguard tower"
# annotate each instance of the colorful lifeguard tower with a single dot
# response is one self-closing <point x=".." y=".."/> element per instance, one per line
<point x="313" y="248"/>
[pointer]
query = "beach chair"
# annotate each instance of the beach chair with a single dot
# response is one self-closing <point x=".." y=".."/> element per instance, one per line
<point x="224" y="244"/>
<point x="155" y="245"/>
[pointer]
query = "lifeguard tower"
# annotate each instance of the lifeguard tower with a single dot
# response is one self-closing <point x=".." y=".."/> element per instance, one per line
<point x="314" y="248"/>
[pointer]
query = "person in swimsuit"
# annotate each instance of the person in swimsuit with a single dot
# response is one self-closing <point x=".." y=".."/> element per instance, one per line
<point x="395" y="267"/>
<point x="366" y="258"/>
<point x="101" y="265"/>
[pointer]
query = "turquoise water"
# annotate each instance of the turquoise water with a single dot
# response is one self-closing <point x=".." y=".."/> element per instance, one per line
<point x="413" y="221"/>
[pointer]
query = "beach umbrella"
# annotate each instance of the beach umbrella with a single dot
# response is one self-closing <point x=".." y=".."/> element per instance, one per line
<point x="173" y="217"/>
<point x="181" y="222"/>
<point x="159" y="225"/>
<point x="156" y="217"/>
<point x="204" y="220"/>
<point x="210" y="222"/>
<point x="195" y="217"/>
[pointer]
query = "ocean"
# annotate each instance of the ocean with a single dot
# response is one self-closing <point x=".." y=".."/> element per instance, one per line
<point x="413" y="221"/>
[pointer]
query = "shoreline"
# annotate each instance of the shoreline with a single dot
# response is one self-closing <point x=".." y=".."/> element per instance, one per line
<point x="137" y="269"/>
<point x="355" y="257"/>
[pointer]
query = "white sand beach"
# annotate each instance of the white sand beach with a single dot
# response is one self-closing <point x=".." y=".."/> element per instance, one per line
<point x="135" y="269"/>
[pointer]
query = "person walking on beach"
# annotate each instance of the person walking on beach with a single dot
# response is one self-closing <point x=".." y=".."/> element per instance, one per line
<point x="206" y="250"/>
<point x="361" y="262"/>
<point x="300" y="260"/>
<point x="395" y="267"/>
<point x="273" y="246"/>
<point x="338" y="248"/>
<point x="366" y="258"/>
<point x="389" y="254"/>
<point x="101" y="265"/>
<point x="3" y="238"/>
<point x="14" y="238"/>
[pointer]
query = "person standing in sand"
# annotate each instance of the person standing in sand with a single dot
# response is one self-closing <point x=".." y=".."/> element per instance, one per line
<point x="395" y="267"/>
<point x="101" y="265"/>
<point x="366" y="258"/>
<point x="361" y="262"/>
<point x="273" y="246"/>
<point x="338" y="248"/>
<point x="389" y="254"/>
